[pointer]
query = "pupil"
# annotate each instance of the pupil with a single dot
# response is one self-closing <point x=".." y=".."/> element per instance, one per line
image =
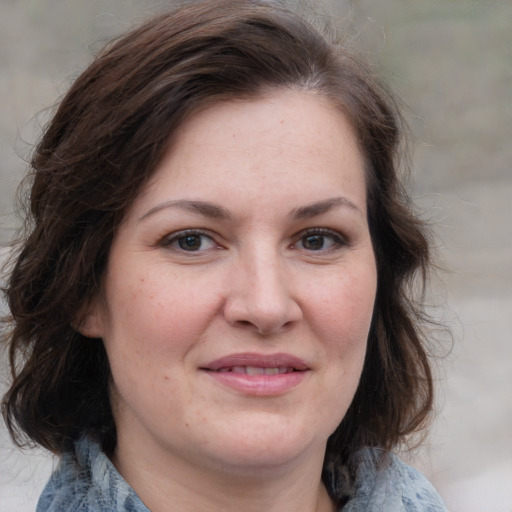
<point x="190" y="242"/>
<point x="314" y="242"/>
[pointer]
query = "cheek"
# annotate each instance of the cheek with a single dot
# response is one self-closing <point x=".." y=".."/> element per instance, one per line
<point x="156" y="313"/>
<point x="151" y="328"/>
<point x="341" y="316"/>
<point x="343" y="306"/>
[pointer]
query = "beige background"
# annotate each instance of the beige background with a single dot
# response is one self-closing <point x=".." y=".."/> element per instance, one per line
<point x="451" y="62"/>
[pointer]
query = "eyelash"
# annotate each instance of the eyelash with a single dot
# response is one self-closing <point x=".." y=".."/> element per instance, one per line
<point x="337" y="240"/>
<point x="175" y="238"/>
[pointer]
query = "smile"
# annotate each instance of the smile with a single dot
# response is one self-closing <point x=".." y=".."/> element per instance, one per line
<point x="258" y="374"/>
<point x="251" y="363"/>
<point x="258" y="370"/>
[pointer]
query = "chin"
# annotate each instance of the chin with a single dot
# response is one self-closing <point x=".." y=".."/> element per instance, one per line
<point x="262" y="445"/>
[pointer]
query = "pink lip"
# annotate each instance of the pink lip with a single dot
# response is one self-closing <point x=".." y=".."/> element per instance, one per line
<point x="259" y="360"/>
<point x="292" y="372"/>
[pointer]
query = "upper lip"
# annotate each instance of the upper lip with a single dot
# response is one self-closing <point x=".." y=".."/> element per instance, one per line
<point x="257" y="360"/>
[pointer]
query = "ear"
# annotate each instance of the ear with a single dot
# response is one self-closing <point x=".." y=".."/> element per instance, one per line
<point x="89" y="322"/>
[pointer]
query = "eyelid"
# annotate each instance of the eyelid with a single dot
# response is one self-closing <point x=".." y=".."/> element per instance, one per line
<point x="338" y="239"/>
<point x="168" y="240"/>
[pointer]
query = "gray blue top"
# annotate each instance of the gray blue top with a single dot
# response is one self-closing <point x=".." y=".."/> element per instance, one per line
<point x="86" y="481"/>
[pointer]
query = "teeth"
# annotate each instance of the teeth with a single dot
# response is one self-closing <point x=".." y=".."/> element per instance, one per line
<point x="257" y="370"/>
<point x="254" y="370"/>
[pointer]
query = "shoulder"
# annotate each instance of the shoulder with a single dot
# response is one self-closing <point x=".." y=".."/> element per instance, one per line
<point x="86" y="481"/>
<point x="385" y="483"/>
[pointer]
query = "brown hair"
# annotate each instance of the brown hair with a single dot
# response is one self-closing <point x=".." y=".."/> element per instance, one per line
<point x="106" y="139"/>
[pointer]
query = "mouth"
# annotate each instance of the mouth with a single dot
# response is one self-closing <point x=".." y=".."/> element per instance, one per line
<point x="257" y="364"/>
<point x="258" y="370"/>
<point x="258" y="374"/>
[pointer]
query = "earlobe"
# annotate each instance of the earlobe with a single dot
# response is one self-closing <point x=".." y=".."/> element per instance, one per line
<point x="89" y="321"/>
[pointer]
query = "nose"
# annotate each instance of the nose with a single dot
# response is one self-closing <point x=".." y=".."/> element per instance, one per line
<point x="260" y="297"/>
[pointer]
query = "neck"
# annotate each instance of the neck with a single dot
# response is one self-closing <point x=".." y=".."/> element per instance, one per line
<point x="162" y="483"/>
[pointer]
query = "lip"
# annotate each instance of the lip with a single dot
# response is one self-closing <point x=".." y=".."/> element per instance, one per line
<point x="293" y="371"/>
<point x="259" y="360"/>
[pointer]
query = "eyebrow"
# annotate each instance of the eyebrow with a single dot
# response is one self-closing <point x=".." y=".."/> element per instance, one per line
<point x="321" y="207"/>
<point x="206" y="209"/>
<point x="218" y="212"/>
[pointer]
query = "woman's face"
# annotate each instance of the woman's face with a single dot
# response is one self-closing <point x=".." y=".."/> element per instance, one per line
<point x="240" y="288"/>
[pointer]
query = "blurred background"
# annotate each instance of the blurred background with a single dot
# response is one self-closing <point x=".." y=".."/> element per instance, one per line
<point x="451" y="63"/>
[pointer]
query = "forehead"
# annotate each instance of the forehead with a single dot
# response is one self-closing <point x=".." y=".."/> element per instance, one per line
<point x="276" y="117"/>
<point x="286" y="142"/>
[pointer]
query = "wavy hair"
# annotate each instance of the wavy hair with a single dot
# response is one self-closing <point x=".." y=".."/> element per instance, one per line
<point x="104" y="142"/>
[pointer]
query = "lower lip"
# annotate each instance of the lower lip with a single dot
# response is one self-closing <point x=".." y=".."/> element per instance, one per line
<point x="259" y="385"/>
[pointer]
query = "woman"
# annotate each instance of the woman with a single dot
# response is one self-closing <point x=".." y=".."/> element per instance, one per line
<point x="212" y="305"/>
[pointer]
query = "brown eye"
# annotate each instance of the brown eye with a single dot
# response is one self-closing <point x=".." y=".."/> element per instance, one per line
<point x="190" y="241"/>
<point x="320" y="240"/>
<point x="313" y="242"/>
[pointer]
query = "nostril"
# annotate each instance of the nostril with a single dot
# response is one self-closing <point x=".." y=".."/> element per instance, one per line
<point x="249" y="326"/>
<point x="258" y="312"/>
<point x="245" y="323"/>
<point x="257" y="327"/>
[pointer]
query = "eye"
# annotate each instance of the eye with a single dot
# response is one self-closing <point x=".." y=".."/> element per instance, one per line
<point x="190" y="241"/>
<point x="320" y="239"/>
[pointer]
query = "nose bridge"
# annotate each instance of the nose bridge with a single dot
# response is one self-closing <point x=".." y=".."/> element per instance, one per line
<point x="265" y="273"/>
<point x="261" y="295"/>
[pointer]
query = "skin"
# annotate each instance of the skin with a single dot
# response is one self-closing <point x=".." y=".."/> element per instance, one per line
<point x="276" y="258"/>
